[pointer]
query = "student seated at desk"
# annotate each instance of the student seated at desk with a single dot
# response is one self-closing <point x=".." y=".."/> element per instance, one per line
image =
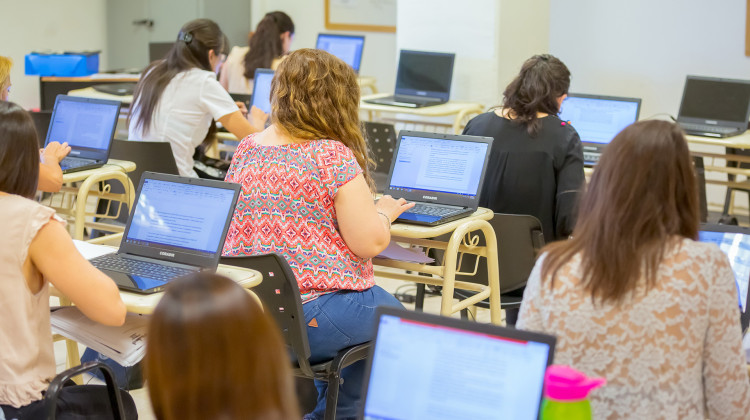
<point x="178" y="98"/>
<point x="269" y="44"/>
<point x="307" y="195"/>
<point x="633" y="296"/>
<point x="35" y="250"/>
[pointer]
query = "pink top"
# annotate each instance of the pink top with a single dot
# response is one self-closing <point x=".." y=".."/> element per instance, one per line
<point x="287" y="207"/>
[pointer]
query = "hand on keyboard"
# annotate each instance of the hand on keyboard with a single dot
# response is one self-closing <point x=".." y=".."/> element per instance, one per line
<point x="392" y="207"/>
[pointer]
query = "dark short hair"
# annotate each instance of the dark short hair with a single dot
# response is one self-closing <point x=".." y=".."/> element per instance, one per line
<point x="19" y="151"/>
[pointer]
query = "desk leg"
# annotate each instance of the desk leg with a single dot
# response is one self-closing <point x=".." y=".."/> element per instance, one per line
<point x="73" y="357"/>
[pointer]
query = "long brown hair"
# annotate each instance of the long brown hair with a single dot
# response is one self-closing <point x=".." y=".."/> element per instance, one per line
<point x="19" y="151"/>
<point x="542" y="80"/>
<point x="265" y="43"/>
<point x="213" y="354"/>
<point x="315" y="95"/>
<point x="642" y="195"/>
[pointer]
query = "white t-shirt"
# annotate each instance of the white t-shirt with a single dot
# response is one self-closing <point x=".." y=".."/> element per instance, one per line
<point x="183" y="115"/>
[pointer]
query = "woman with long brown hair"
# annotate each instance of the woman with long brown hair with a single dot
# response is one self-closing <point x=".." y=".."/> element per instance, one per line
<point x="634" y="298"/>
<point x="307" y="196"/>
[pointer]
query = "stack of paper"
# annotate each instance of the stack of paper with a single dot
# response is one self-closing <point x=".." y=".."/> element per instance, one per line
<point x="125" y="345"/>
<point x="394" y="251"/>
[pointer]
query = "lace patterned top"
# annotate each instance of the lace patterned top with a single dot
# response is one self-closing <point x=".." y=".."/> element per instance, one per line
<point x="674" y="352"/>
<point x="286" y="207"/>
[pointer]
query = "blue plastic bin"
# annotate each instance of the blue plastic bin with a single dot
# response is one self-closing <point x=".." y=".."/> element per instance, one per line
<point x="62" y="65"/>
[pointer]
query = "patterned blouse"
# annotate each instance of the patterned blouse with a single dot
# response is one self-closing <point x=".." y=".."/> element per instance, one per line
<point x="286" y="207"/>
<point x="674" y="352"/>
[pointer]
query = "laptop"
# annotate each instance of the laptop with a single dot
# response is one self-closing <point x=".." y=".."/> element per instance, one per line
<point x="431" y="367"/>
<point x="714" y="107"/>
<point x="735" y="242"/>
<point x="423" y="79"/>
<point x="158" y="50"/>
<point x="88" y="125"/>
<point x="442" y="173"/>
<point x="346" y="47"/>
<point x="262" y="90"/>
<point x="244" y="98"/>
<point x="177" y="227"/>
<point x="598" y="119"/>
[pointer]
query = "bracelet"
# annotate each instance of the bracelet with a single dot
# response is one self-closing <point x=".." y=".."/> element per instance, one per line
<point x="386" y="218"/>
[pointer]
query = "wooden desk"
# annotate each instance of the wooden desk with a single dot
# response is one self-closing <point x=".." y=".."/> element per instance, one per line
<point x="460" y="111"/>
<point x="461" y="241"/>
<point x="50" y="87"/>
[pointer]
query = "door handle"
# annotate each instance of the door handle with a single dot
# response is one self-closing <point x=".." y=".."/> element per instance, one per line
<point x="149" y="23"/>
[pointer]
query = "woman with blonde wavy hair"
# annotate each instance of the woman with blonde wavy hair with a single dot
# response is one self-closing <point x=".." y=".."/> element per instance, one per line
<point x="307" y="195"/>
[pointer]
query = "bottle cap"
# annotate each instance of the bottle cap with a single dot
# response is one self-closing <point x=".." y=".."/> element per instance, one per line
<point x="563" y="383"/>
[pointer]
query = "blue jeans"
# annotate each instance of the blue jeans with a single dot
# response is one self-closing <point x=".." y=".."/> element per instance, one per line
<point x="344" y="319"/>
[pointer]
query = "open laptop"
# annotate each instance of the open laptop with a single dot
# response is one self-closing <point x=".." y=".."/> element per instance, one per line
<point x="244" y="98"/>
<point x="442" y="173"/>
<point x="177" y="227"/>
<point x="598" y="119"/>
<point x="735" y="242"/>
<point x="714" y="107"/>
<point x="158" y="50"/>
<point x="431" y="367"/>
<point x="423" y="79"/>
<point x="88" y="125"/>
<point x="346" y="47"/>
<point x="262" y="90"/>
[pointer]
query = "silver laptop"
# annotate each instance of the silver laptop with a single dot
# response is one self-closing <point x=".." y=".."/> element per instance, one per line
<point x="423" y="79"/>
<point x="177" y="227"/>
<point x="346" y="47"/>
<point x="431" y="367"/>
<point x="598" y="119"/>
<point x="714" y="107"/>
<point x="262" y="90"/>
<point x="88" y="126"/>
<point x="442" y="173"/>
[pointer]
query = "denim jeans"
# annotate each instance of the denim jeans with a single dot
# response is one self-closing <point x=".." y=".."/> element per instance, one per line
<point x="344" y="318"/>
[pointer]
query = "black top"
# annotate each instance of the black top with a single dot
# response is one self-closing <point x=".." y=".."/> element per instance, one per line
<point x="539" y="175"/>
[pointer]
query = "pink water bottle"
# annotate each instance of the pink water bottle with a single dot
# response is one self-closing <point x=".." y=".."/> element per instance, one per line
<point x="566" y="392"/>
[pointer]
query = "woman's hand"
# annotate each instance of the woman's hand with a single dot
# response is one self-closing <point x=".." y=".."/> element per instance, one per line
<point x="392" y="207"/>
<point x="54" y="152"/>
<point x="257" y="118"/>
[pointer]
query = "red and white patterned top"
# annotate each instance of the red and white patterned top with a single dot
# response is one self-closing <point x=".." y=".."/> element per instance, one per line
<point x="286" y="207"/>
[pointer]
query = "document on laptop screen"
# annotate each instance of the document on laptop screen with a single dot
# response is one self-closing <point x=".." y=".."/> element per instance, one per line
<point x="737" y="248"/>
<point x="449" y="373"/>
<point x="598" y="120"/>
<point x="82" y="124"/>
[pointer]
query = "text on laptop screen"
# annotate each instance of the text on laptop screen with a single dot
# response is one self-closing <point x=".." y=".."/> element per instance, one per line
<point x="185" y="216"/>
<point x="83" y="124"/>
<point x="420" y="72"/>
<point x="598" y="120"/>
<point x="422" y="371"/>
<point x="347" y="48"/>
<point x="262" y="91"/>
<point x="438" y="165"/>
<point x="737" y="248"/>
<point x="723" y="100"/>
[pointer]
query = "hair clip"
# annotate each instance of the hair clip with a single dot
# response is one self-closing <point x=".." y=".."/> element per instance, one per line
<point x="185" y="36"/>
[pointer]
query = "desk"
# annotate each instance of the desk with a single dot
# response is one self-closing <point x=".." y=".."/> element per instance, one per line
<point x="90" y="92"/>
<point x="461" y="241"/>
<point x="50" y="87"/>
<point x="460" y="111"/>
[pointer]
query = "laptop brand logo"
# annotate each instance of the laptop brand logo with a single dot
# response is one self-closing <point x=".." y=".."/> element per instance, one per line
<point x="75" y="152"/>
<point x="429" y="197"/>
<point x="712" y="122"/>
<point x="167" y="254"/>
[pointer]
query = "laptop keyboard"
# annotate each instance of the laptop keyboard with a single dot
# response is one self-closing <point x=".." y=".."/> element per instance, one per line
<point x="114" y="262"/>
<point x="703" y="128"/>
<point x="591" y="157"/>
<point x="434" y="210"/>
<point x="71" y="162"/>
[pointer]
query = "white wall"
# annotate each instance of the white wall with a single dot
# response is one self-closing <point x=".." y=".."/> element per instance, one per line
<point x="40" y="25"/>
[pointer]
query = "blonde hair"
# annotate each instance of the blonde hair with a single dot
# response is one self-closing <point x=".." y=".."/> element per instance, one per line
<point x="5" y="64"/>
<point x="315" y="95"/>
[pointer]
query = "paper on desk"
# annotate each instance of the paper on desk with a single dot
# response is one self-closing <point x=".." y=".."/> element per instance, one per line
<point x="394" y="251"/>
<point x="90" y="251"/>
<point x="125" y="345"/>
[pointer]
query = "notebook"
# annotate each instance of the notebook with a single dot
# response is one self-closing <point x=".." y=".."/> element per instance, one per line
<point x="177" y="227"/>
<point x="714" y="107"/>
<point x="158" y="50"/>
<point x="442" y="173"/>
<point x="423" y="79"/>
<point x="430" y="367"/>
<point x="346" y="47"/>
<point x="262" y="89"/>
<point x="598" y="119"/>
<point x="88" y="125"/>
<point x="244" y="98"/>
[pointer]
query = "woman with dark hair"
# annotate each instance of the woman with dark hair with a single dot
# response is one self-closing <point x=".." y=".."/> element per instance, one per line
<point x="213" y="353"/>
<point x="268" y="45"/>
<point x="634" y="298"/>
<point x="178" y="99"/>
<point x="36" y="250"/>
<point x="537" y="159"/>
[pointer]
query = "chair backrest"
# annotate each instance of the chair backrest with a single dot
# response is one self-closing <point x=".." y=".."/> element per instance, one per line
<point x="381" y="138"/>
<point x="281" y="299"/>
<point x="41" y="123"/>
<point x="700" y="174"/>
<point x="153" y="156"/>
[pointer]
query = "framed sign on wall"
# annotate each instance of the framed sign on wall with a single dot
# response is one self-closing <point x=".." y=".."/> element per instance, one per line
<point x="361" y="15"/>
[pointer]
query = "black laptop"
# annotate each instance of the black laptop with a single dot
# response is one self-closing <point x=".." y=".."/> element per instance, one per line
<point x="244" y="98"/>
<point x="714" y="107"/>
<point x="423" y="79"/>
<point x="346" y="47"/>
<point x="442" y="173"/>
<point x="262" y="90"/>
<point x="177" y="227"/>
<point x="431" y="367"/>
<point x="598" y="119"/>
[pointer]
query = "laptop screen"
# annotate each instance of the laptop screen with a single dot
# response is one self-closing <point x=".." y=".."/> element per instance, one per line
<point x="438" y="165"/>
<point x="180" y="217"/>
<point x="424" y="370"/>
<point x="86" y="125"/>
<point x="598" y="119"/>
<point x="424" y="74"/>
<point x="737" y="247"/>
<point x="346" y="47"/>
<point x="262" y="89"/>
<point x="715" y="99"/>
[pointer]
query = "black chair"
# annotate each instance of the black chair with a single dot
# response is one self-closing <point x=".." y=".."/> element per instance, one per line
<point x="281" y="299"/>
<point x="41" y="123"/>
<point x="381" y="138"/>
<point x="57" y="384"/>
<point x="700" y="174"/>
